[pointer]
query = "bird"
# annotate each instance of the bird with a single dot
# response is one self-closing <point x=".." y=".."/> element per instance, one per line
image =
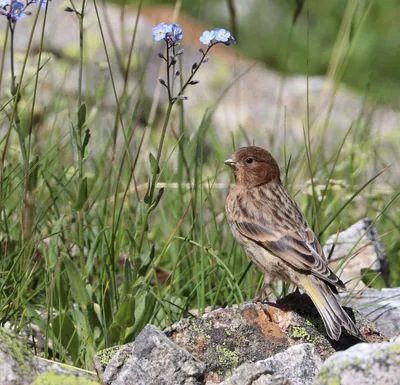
<point x="275" y="235"/>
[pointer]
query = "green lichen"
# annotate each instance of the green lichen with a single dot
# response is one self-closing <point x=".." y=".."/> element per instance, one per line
<point x="14" y="347"/>
<point x="327" y="378"/>
<point x="395" y="348"/>
<point x="54" y="378"/>
<point x="226" y="357"/>
<point x="301" y="332"/>
<point x="106" y="355"/>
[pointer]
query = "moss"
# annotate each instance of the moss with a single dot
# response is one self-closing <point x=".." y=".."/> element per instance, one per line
<point x="54" y="378"/>
<point x="106" y="355"/>
<point x="16" y="350"/>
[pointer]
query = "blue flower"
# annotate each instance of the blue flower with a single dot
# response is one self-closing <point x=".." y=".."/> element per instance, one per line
<point x="175" y="30"/>
<point x="207" y="37"/>
<point x="4" y="3"/>
<point x="160" y="31"/>
<point x="17" y="11"/>
<point x="222" y="35"/>
<point x="44" y="2"/>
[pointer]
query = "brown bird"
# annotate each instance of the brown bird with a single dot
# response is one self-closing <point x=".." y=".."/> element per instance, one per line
<point x="269" y="225"/>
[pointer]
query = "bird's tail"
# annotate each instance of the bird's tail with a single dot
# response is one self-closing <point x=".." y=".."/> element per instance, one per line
<point x="332" y="313"/>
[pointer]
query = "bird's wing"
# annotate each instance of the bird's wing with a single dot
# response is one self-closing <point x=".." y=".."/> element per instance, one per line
<point x="295" y="243"/>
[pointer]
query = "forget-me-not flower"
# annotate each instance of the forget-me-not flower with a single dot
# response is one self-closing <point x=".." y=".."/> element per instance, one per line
<point x="160" y="31"/>
<point x="207" y="37"/>
<point x="176" y="31"/>
<point x="222" y="35"/>
<point x="17" y="11"/>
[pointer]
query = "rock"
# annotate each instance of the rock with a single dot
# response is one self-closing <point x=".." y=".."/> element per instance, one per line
<point x="253" y="374"/>
<point x="380" y="306"/>
<point x="153" y="359"/>
<point x="227" y="338"/>
<point x="298" y="365"/>
<point x="16" y="361"/>
<point x="363" y="241"/>
<point x="366" y="364"/>
<point x="18" y="366"/>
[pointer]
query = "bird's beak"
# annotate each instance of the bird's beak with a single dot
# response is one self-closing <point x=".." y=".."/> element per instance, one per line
<point x="230" y="162"/>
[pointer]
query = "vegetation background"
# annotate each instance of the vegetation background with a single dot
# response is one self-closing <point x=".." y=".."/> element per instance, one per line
<point x="95" y="247"/>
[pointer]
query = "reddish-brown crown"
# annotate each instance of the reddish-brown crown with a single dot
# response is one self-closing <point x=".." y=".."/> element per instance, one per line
<point x="254" y="166"/>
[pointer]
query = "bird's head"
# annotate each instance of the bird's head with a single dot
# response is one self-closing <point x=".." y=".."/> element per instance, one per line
<point x="253" y="166"/>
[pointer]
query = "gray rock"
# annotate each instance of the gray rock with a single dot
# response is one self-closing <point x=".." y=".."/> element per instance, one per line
<point x="153" y="359"/>
<point x="16" y="363"/>
<point x="298" y="365"/>
<point x="18" y="366"/>
<point x="380" y="306"/>
<point x="253" y="374"/>
<point x="362" y="240"/>
<point x="366" y="364"/>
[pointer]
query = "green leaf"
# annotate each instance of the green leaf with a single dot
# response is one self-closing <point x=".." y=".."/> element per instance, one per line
<point x="53" y="250"/>
<point x="33" y="173"/>
<point x="125" y="316"/>
<point x="147" y="195"/>
<point x="81" y="116"/>
<point x="76" y="284"/>
<point x="60" y="288"/>
<point x="372" y="278"/>
<point x="155" y="168"/>
<point x="157" y="199"/>
<point x="146" y="262"/>
<point x="85" y="142"/>
<point x="144" y="310"/>
<point x="65" y="332"/>
<point x="127" y="283"/>
<point x="92" y="252"/>
<point x="82" y="195"/>
<point x="132" y="241"/>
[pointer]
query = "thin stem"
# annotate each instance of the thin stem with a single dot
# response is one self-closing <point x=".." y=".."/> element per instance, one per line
<point x="155" y="174"/>
<point x="204" y="54"/>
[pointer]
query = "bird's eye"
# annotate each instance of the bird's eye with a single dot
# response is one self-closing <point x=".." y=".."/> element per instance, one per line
<point x="249" y="160"/>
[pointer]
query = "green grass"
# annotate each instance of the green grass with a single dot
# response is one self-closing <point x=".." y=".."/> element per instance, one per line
<point x="84" y="252"/>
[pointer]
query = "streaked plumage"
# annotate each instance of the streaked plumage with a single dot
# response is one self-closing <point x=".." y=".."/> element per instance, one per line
<point x="267" y="222"/>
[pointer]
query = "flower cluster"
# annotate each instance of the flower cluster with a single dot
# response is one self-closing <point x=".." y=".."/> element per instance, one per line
<point x="217" y="35"/>
<point x="171" y="33"/>
<point x="16" y="10"/>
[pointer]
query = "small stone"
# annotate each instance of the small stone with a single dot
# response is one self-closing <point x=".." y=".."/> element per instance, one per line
<point x="367" y="252"/>
<point x="380" y="306"/>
